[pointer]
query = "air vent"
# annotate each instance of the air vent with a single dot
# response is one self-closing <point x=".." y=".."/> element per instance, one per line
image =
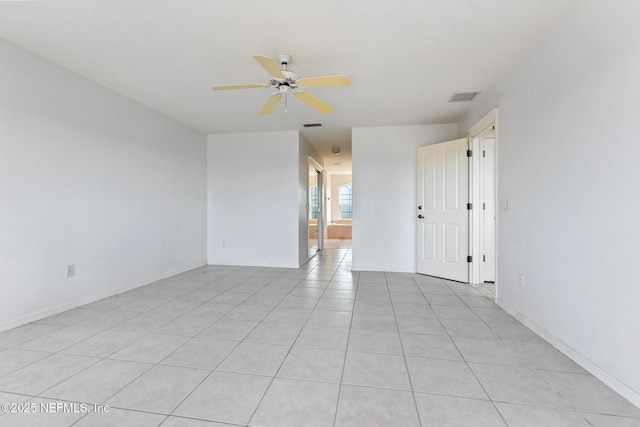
<point x="463" y="97"/>
<point x="312" y="125"/>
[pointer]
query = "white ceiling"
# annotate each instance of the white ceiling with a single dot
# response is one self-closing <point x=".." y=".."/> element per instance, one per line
<point x="404" y="58"/>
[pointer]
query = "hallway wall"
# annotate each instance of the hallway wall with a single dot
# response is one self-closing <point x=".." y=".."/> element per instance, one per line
<point x="384" y="193"/>
<point x="253" y="214"/>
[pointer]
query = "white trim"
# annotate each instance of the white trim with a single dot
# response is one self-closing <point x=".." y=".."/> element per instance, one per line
<point x="315" y="163"/>
<point x="490" y="118"/>
<point x="51" y="311"/>
<point x="476" y="130"/>
<point x="473" y="237"/>
<point x="389" y="269"/>
<point x="591" y="367"/>
<point x="267" y="264"/>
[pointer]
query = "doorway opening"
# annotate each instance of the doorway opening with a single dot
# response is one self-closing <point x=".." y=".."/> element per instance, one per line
<point x="456" y="208"/>
<point x="315" y="204"/>
<point x="339" y="209"/>
<point x="483" y="137"/>
<point x="332" y="229"/>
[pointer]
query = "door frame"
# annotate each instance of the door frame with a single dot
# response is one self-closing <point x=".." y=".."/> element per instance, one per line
<point x="487" y="122"/>
<point x="320" y="221"/>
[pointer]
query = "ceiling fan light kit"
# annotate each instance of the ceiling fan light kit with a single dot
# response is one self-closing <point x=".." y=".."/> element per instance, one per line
<point x="285" y="81"/>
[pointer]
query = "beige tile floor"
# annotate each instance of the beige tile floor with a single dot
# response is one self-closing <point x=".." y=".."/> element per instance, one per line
<point x="318" y="346"/>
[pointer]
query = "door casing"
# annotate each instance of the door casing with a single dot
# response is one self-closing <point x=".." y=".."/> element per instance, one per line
<point x="475" y="196"/>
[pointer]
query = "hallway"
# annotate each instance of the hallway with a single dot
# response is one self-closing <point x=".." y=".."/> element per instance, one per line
<point x="317" y="346"/>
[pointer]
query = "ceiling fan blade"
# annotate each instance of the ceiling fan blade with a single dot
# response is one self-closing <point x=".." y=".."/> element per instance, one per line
<point x="269" y="65"/>
<point x="271" y="103"/>
<point x="242" y="86"/>
<point x="324" y="81"/>
<point x="314" y="102"/>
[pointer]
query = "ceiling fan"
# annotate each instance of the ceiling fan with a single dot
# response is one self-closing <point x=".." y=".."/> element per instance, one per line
<point x="285" y="81"/>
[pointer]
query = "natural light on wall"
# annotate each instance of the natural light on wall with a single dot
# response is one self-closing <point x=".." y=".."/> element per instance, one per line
<point x="345" y="201"/>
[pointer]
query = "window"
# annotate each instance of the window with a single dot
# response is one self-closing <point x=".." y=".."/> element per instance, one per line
<point x="345" y="201"/>
<point x="313" y="202"/>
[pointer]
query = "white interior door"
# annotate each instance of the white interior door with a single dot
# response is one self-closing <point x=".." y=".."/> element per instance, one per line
<point x="443" y="219"/>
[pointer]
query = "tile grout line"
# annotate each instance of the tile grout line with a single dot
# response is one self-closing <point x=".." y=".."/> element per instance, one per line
<point x="346" y="349"/>
<point x="152" y="365"/>
<point x="404" y="356"/>
<point x="275" y="375"/>
<point x="467" y="363"/>
<point x="234" y="348"/>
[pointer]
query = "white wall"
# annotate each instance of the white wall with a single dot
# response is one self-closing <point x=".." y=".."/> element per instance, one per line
<point x="305" y="150"/>
<point x="384" y="193"/>
<point x="90" y="178"/>
<point x="253" y="200"/>
<point x="568" y="164"/>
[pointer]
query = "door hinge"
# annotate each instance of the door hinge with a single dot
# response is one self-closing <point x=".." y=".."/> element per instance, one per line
<point x="484" y="258"/>
<point x="469" y="206"/>
<point x="469" y="258"/>
<point x="484" y="153"/>
<point x="469" y="153"/>
<point x="484" y="206"/>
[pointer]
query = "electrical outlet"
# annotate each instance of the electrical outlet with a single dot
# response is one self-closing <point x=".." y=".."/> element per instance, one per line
<point x="71" y="270"/>
<point x="521" y="280"/>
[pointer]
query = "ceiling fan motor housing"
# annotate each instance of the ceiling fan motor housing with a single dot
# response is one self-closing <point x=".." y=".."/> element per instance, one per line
<point x="284" y="59"/>
<point x="289" y="81"/>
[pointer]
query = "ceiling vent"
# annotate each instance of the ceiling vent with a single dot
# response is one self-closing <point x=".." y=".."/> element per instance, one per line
<point x="312" y="125"/>
<point x="463" y="97"/>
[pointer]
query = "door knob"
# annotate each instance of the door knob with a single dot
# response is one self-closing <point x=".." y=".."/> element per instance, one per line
<point x="421" y="216"/>
<point x="420" y="207"/>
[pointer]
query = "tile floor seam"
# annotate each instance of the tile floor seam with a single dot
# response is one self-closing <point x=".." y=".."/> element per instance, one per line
<point x="66" y="378"/>
<point x="109" y="397"/>
<point x="228" y="354"/>
<point x="404" y="357"/>
<point x="567" y="401"/>
<point x="189" y="340"/>
<point x="287" y="355"/>
<point x="52" y="332"/>
<point x="190" y="393"/>
<point x="467" y="363"/>
<point x="346" y="350"/>
<point x="28" y="364"/>
<point x="132" y="410"/>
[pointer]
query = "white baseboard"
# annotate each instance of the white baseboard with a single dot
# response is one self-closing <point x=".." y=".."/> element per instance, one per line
<point x="51" y="311"/>
<point x="389" y="269"/>
<point x="618" y="386"/>
<point x="265" y="264"/>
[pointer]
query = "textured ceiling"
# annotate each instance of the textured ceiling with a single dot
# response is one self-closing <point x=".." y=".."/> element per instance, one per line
<point x="404" y="58"/>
